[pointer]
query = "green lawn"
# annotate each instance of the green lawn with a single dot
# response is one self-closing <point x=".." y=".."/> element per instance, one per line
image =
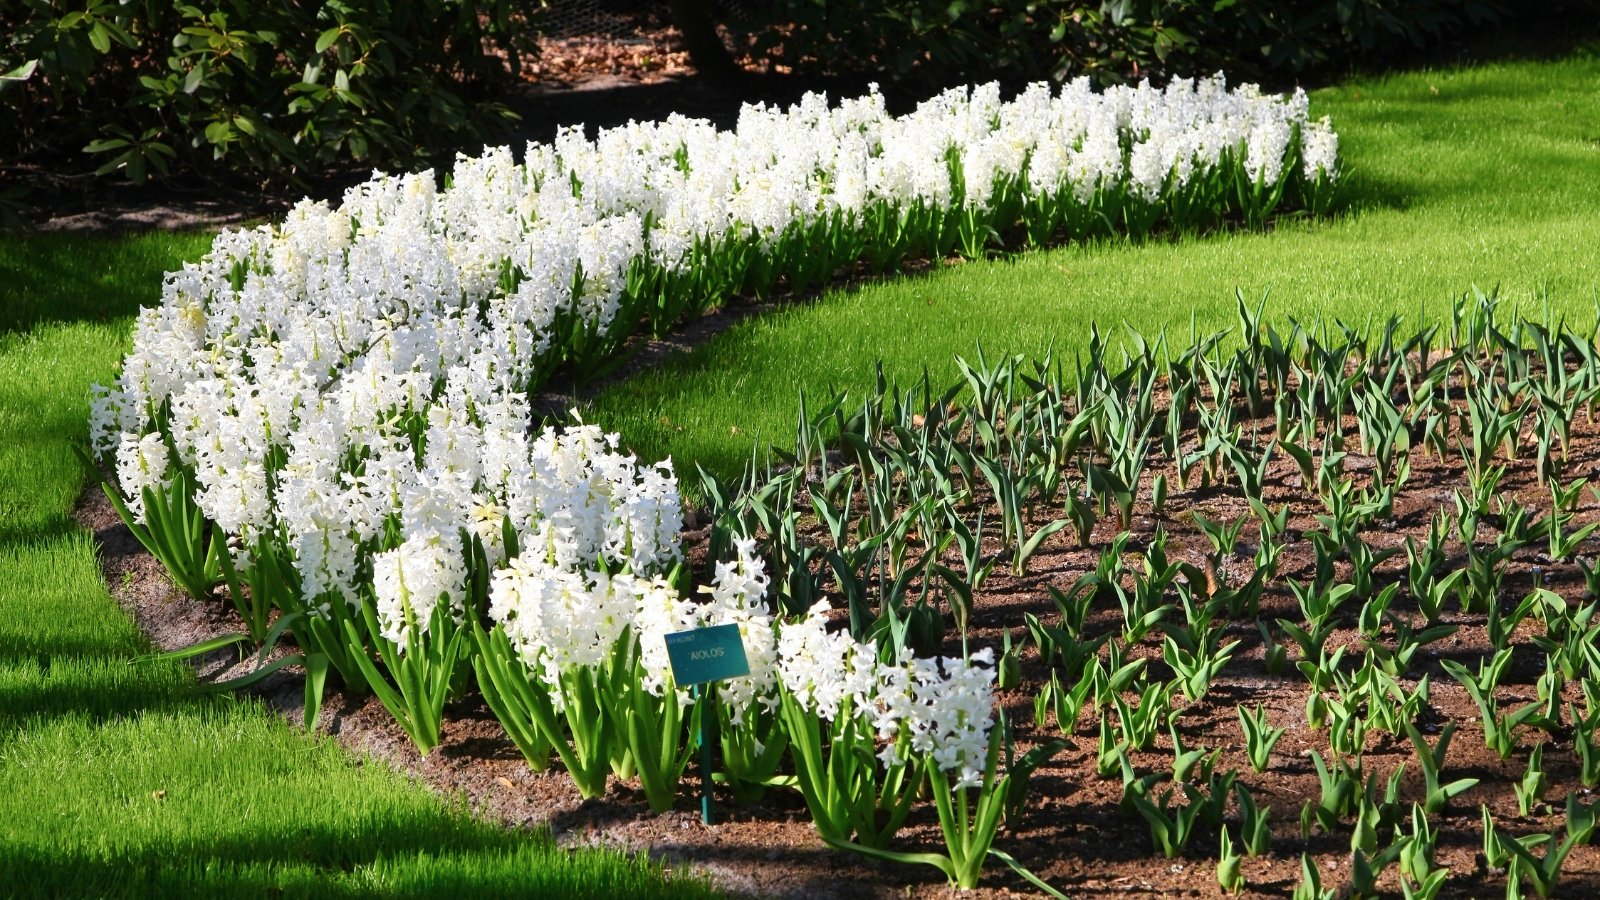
<point x="118" y="778"/>
<point x="1488" y="177"/>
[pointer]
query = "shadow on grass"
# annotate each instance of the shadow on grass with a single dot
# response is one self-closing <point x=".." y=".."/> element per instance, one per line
<point x="436" y="854"/>
<point x="46" y="696"/>
<point x="1361" y="193"/>
<point x="60" y="278"/>
<point x="20" y="535"/>
<point x="16" y="648"/>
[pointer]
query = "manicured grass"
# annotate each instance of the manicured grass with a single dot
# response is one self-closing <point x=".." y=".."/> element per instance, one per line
<point x="117" y="777"/>
<point x="97" y="279"/>
<point x="1487" y="176"/>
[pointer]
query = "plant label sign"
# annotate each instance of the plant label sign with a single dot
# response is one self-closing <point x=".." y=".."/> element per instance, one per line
<point x="707" y="654"/>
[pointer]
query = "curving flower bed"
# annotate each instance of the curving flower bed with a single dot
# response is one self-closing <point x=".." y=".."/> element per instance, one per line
<point x="329" y="418"/>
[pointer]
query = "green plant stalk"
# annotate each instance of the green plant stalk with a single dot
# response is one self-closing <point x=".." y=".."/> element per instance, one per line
<point x="1170" y="826"/>
<point x="969" y="824"/>
<point x="1437" y="796"/>
<point x="1229" y="873"/>
<point x="1254" y="822"/>
<point x="1259" y="737"/>
<point x="422" y="676"/>
<point x="176" y="533"/>
<point x="653" y="727"/>
<point x="524" y="708"/>
<point x="753" y="752"/>
<point x="1530" y="790"/>
<point x="253" y="605"/>
<point x="1544" y="872"/>
<point x="840" y="778"/>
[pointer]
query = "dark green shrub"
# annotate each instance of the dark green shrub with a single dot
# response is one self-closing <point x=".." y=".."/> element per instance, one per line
<point x="939" y="41"/>
<point x="277" y="88"/>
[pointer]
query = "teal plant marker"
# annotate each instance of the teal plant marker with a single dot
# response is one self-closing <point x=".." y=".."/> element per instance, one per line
<point x="701" y="658"/>
<point x="704" y="655"/>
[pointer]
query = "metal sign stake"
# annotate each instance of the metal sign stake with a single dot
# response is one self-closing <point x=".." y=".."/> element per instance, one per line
<point x="708" y="728"/>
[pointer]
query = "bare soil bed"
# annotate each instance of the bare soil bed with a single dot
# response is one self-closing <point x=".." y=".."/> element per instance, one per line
<point x="1082" y="843"/>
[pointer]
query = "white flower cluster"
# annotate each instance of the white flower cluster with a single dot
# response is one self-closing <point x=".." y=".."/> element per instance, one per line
<point x="952" y="708"/>
<point x="142" y="461"/>
<point x="780" y="168"/>
<point x="945" y="705"/>
<point x="738" y="596"/>
<point x="408" y="284"/>
<point x="410" y="580"/>
<point x="558" y="619"/>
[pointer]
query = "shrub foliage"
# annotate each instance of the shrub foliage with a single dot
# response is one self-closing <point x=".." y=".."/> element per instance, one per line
<point x="266" y="89"/>
<point x="1113" y="40"/>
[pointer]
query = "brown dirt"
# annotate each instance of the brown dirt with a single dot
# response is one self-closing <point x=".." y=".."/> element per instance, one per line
<point x="636" y="46"/>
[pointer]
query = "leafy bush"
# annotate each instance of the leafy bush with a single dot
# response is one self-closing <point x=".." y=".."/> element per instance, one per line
<point x="275" y="89"/>
<point x="1114" y="40"/>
